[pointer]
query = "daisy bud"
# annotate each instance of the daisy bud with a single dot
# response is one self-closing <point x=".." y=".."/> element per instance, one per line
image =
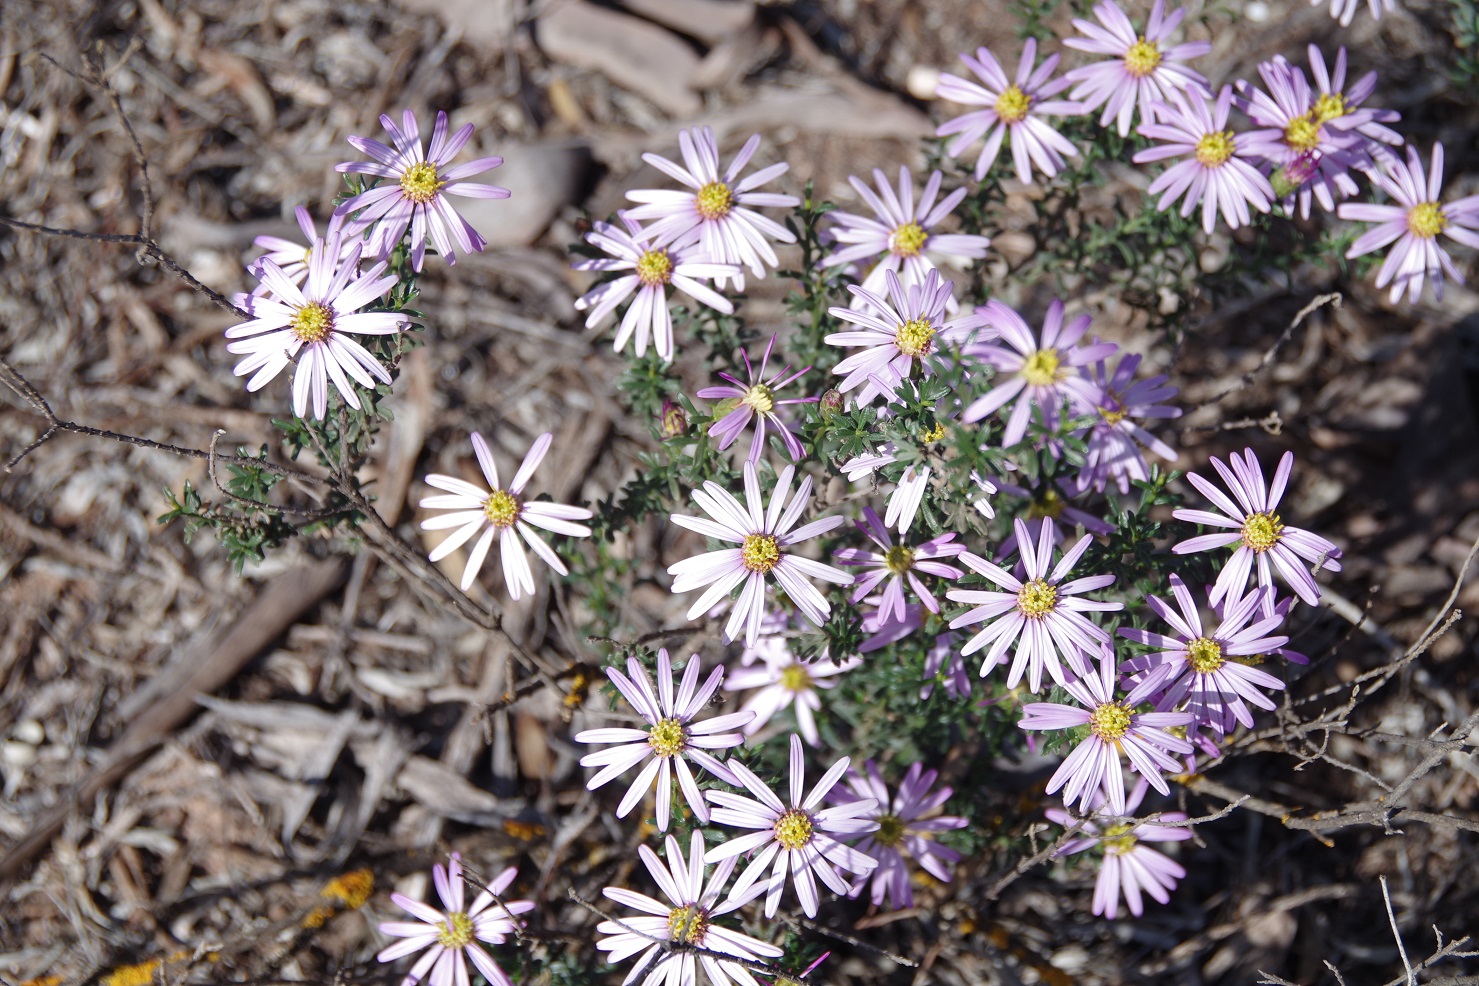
<point x="673" y="422"/>
<point x="831" y="403"/>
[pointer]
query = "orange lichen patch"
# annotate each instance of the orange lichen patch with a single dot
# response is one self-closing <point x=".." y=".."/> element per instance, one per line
<point x="141" y="974"/>
<point x="52" y="980"/>
<point x="524" y="831"/>
<point x="351" y="889"/>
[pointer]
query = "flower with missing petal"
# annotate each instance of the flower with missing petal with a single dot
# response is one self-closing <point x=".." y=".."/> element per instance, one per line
<point x="451" y="936"/>
<point x="1114" y="728"/>
<point x="677" y="937"/>
<point x="653" y="271"/>
<point x="1414" y="224"/>
<point x="898" y="563"/>
<point x="899" y="234"/>
<point x="1115" y="439"/>
<point x="1043" y="615"/>
<point x="715" y="209"/>
<point x="761" y="534"/>
<point x="1012" y="106"/>
<point x="503" y="515"/>
<point x="313" y="325"/>
<point x="1141" y="68"/>
<point x="755" y="400"/>
<point x="415" y="194"/>
<point x="292" y="258"/>
<point x="780" y="680"/>
<point x="672" y="739"/>
<point x="1264" y="543"/>
<point x="799" y="838"/>
<point x="908" y="823"/>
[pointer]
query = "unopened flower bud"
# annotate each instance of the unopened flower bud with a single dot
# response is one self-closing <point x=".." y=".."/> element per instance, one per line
<point x="831" y="403"/>
<point x="673" y="421"/>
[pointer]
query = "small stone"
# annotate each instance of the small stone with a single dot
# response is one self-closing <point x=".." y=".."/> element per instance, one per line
<point x="711" y="21"/>
<point x="922" y="81"/>
<point x="632" y="53"/>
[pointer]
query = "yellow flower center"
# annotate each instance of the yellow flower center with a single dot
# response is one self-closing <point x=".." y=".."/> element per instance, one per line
<point x="1143" y="58"/>
<point x="795" y="678"/>
<point x="655" y="267"/>
<point x="714" y="200"/>
<point x="312" y="323"/>
<point x="501" y="509"/>
<point x="419" y="182"/>
<point x="1036" y="599"/>
<point x="1112" y="416"/>
<point x="1046" y="504"/>
<point x="914" y="338"/>
<point x="890" y="830"/>
<point x="688" y="924"/>
<point x="1261" y="531"/>
<point x="760" y="553"/>
<point x="1110" y="721"/>
<point x="1426" y="221"/>
<point x="1213" y="150"/>
<point x="761" y="398"/>
<point x="1303" y="133"/>
<point x="935" y="434"/>
<point x="457" y="932"/>
<point x="907" y="240"/>
<point x="1204" y="655"/>
<point x="899" y="559"/>
<point x="1118" y="839"/>
<point x="1330" y="106"/>
<point x="668" y="738"/>
<point x="1042" y="367"/>
<point x="793" y="829"/>
<point x="1012" y="105"/>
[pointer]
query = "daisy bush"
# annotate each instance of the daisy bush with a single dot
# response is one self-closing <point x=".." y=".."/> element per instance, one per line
<point x="929" y="532"/>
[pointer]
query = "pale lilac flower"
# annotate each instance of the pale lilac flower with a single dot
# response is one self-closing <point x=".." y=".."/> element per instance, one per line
<point x="1033" y="373"/>
<point x="313" y="325"/>
<point x="1345" y="10"/>
<point x="901" y="232"/>
<point x="1129" y="867"/>
<point x="1016" y="106"/>
<point x="676" y="937"/>
<point x="1196" y="669"/>
<point x="755" y="400"/>
<point x="1414" y="224"/>
<point x="417" y="189"/>
<point x="1260" y="534"/>
<point x="1042" y="615"/>
<point x="450" y="936"/>
<point x="292" y="258"/>
<point x="1115" y="439"/>
<point x="780" y="680"/>
<point x="800" y="837"/>
<point x="1217" y="174"/>
<point x="898" y="563"/>
<point x="1114" y="728"/>
<point x="714" y="210"/>
<point x="653" y="271"/>
<point x="907" y="825"/>
<point x="898" y="333"/>
<point x="761" y="535"/>
<point x="673" y="739"/>
<point x="503" y="512"/>
<point x="1140" y="70"/>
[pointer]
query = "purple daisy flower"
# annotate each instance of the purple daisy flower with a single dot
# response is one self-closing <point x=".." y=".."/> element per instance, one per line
<point x="799" y="838"/>
<point x="653" y="271"/>
<point x="761" y="535"/>
<point x="451" y="936"/>
<point x="1339" y="108"/>
<point x="1114" y="728"/>
<point x="1140" y="71"/>
<point x="1217" y="175"/>
<point x="899" y="333"/>
<point x="907" y="826"/>
<point x="1129" y="868"/>
<point x="1036" y="374"/>
<point x="1115" y="440"/>
<point x="901" y="232"/>
<point x="1195" y="669"/>
<point x="1012" y="106"/>
<point x="1042" y="615"/>
<point x="1414" y="224"/>
<point x="1262" y="535"/>
<point x="673" y="739"/>
<point x="1345" y="10"/>
<point x="312" y="326"/>
<point x="715" y="211"/>
<point x="417" y="197"/>
<point x="898" y="563"/>
<point x="780" y="680"/>
<point x="755" y="400"/>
